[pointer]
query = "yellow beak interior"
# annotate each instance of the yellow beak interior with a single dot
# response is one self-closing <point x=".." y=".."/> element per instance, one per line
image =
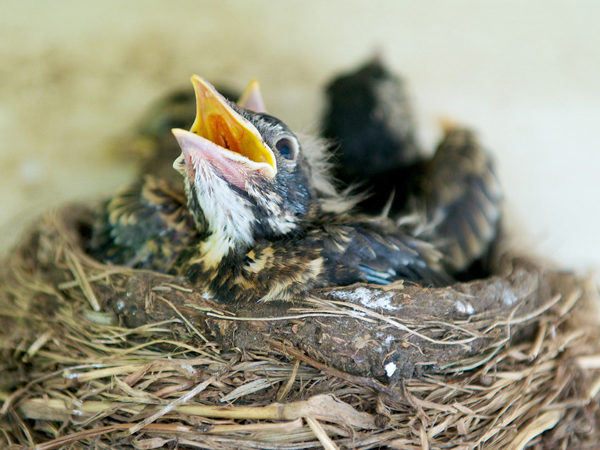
<point x="222" y="125"/>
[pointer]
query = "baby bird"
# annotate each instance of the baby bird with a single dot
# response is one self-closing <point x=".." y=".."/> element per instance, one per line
<point x="250" y="184"/>
<point x="455" y="194"/>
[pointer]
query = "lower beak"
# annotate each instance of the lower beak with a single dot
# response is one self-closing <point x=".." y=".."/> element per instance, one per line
<point x="232" y="166"/>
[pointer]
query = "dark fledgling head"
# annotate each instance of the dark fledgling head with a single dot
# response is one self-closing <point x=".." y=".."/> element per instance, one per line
<point x="244" y="171"/>
<point x="369" y="115"/>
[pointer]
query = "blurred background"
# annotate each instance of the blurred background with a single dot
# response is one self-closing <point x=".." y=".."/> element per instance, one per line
<point x="525" y="74"/>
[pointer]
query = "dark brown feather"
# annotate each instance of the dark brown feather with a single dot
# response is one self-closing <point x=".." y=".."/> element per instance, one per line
<point x="144" y="226"/>
<point x="336" y="250"/>
<point x="462" y="199"/>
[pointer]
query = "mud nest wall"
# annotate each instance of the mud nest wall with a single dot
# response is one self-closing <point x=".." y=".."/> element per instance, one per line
<point x="97" y="356"/>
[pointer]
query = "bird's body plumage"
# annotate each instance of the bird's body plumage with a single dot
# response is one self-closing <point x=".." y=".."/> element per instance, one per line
<point x="144" y="226"/>
<point x="335" y="250"/>
<point x="461" y="199"/>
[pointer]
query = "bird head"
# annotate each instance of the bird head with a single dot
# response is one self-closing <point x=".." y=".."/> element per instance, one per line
<point x="244" y="171"/>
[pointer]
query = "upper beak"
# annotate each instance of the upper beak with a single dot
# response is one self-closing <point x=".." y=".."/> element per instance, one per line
<point x="236" y="139"/>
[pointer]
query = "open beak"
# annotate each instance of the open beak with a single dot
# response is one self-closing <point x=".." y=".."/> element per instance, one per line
<point x="222" y="136"/>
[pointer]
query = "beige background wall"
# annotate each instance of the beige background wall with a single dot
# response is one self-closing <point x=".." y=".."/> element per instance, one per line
<point x="525" y="74"/>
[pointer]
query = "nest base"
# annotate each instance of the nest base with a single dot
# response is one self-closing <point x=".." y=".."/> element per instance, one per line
<point x="97" y="356"/>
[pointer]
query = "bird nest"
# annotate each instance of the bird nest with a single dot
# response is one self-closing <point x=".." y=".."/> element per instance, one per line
<point x="99" y="356"/>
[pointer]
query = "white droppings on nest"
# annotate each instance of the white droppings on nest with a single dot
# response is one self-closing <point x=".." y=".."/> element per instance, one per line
<point x="509" y="297"/>
<point x="465" y="308"/>
<point x="189" y="369"/>
<point x="389" y="339"/>
<point x="370" y="298"/>
<point x="390" y="368"/>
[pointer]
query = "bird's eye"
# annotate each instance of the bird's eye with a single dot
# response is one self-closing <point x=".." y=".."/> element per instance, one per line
<point x="287" y="147"/>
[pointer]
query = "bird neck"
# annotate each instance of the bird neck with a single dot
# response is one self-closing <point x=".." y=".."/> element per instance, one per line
<point x="215" y="248"/>
<point x="224" y="217"/>
<point x="225" y="236"/>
